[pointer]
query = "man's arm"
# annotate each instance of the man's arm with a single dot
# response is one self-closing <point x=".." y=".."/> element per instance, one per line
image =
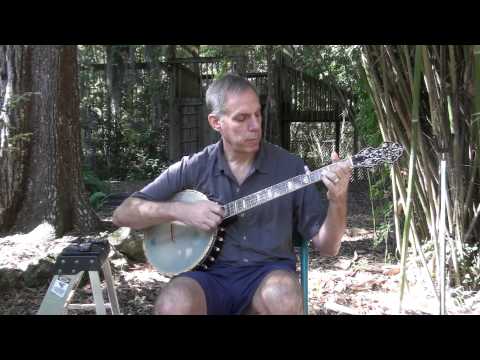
<point x="329" y="237"/>
<point x="140" y="214"/>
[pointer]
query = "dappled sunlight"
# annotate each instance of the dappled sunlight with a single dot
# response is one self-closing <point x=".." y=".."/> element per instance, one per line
<point x="144" y="274"/>
<point x="21" y="250"/>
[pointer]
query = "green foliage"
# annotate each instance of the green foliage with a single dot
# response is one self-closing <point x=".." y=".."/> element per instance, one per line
<point x="93" y="184"/>
<point x="97" y="189"/>
<point x="470" y="266"/>
<point x="126" y="141"/>
<point x="211" y="50"/>
<point x="141" y="158"/>
<point x="337" y="63"/>
<point x="224" y="68"/>
<point x="382" y="208"/>
<point x="96" y="199"/>
<point x="143" y="167"/>
<point x="366" y="119"/>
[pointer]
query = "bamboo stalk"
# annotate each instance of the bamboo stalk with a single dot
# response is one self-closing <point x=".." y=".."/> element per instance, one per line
<point x="396" y="212"/>
<point x="373" y="208"/>
<point x="415" y="238"/>
<point x="441" y="236"/>
<point x="413" y="147"/>
<point x="458" y="179"/>
<point x="475" y="141"/>
<point x="406" y="53"/>
<point x="400" y="80"/>
<point x="472" y="224"/>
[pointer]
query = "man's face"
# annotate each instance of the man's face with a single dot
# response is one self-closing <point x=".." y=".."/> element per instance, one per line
<point x="241" y="124"/>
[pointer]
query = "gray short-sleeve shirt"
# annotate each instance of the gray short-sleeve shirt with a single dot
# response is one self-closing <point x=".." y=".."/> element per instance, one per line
<point x="263" y="233"/>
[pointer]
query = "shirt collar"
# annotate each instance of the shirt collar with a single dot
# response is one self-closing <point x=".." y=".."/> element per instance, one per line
<point x="260" y="163"/>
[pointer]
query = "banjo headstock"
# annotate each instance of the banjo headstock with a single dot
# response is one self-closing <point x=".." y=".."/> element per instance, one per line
<point x="388" y="152"/>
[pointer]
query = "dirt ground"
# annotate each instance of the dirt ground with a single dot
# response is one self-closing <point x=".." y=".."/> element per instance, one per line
<point x="359" y="281"/>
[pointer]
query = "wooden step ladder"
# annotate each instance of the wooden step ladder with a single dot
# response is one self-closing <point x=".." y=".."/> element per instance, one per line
<point x="75" y="260"/>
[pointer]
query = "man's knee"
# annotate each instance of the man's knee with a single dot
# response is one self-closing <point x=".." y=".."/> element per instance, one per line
<point x="280" y="293"/>
<point x="182" y="296"/>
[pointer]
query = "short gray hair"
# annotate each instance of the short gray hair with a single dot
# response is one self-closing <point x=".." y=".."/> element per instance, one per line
<point x="217" y="92"/>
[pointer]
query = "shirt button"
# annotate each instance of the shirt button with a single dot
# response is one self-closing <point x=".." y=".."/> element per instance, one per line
<point x="244" y="238"/>
<point x="245" y="260"/>
<point x="242" y="214"/>
<point x="238" y="190"/>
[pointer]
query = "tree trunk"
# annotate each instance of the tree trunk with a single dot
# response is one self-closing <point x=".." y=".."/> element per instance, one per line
<point x="115" y="79"/>
<point x="174" y="125"/>
<point x="276" y="102"/>
<point x="40" y="178"/>
<point x="151" y="57"/>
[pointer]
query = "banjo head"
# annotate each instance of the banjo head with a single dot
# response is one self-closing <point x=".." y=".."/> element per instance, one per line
<point x="173" y="248"/>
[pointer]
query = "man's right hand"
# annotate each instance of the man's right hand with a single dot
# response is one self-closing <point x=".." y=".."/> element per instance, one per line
<point x="204" y="215"/>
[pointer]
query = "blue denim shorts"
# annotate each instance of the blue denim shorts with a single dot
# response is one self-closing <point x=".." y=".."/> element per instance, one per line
<point x="230" y="289"/>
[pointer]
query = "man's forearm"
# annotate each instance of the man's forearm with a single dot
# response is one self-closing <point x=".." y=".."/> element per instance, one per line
<point x="140" y="214"/>
<point x="330" y="235"/>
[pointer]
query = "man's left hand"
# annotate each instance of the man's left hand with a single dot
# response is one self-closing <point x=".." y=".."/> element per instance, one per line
<point x="336" y="179"/>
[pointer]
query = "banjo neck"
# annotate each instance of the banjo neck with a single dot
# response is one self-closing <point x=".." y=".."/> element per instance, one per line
<point x="285" y="187"/>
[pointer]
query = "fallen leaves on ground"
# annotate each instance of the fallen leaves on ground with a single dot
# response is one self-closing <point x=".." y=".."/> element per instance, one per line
<point x="357" y="282"/>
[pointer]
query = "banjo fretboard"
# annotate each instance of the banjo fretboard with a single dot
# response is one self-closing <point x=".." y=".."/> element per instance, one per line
<point x="273" y="192"/>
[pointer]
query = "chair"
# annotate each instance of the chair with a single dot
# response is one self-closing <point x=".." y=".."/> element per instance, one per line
<point x="302" y="246"/>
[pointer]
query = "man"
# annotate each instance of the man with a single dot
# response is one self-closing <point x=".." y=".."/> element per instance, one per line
<point x="255" y="272"/>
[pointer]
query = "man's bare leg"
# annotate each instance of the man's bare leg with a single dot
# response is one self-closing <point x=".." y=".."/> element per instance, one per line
<point x="279" y="293"/>
<point x="182" y="296"/>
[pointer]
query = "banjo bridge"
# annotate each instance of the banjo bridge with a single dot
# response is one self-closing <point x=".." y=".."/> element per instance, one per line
<point x="172" y="233"/>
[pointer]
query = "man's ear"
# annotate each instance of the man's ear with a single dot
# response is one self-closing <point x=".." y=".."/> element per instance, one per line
<point x="214" y="122"/>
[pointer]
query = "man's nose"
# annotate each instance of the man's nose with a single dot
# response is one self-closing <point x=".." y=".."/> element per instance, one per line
<point x="253" y="124"/>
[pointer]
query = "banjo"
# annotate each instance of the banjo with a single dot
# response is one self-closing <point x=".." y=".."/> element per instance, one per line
<point x="173" y="248"/>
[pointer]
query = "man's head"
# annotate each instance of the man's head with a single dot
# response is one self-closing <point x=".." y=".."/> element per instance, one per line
<point x="235" y="112"/>
<point x="218" y="92"/>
